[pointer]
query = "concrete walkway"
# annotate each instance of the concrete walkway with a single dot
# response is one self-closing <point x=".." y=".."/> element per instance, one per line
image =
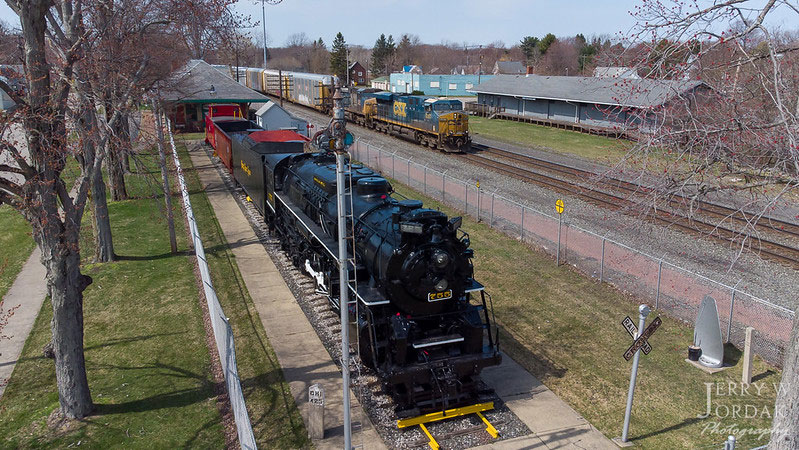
<point x="300" y="352"/>
<point x="554" y="423"/>
<point x="28" y="291"/>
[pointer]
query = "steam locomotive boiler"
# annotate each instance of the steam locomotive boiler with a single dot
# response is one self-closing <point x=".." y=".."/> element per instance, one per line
<point x="423" y="323"/>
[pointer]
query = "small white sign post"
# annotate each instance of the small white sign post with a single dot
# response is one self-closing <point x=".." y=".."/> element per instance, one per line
<point x="316" y="411"/>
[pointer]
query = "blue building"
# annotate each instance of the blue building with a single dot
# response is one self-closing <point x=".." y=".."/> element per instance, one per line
<point x="436" y="85"/>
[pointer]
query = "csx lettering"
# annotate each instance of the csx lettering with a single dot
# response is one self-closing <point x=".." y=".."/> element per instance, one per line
<point x="399" y="109"/>
<point x="246" y="169"/>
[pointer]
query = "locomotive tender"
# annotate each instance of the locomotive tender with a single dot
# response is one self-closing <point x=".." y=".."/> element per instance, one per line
<point x="430" y="121"/>
<point x="423" y="322"/>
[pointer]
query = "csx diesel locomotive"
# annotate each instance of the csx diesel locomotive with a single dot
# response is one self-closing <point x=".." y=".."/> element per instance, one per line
<point x="430" y="121"/>
<point x="423" y="322"/>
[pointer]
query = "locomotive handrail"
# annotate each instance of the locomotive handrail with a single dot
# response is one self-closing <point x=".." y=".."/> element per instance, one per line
<point x="289" y="208"/>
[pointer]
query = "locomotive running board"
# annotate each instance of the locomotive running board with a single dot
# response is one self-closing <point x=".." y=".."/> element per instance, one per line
<point x="449" y="414"/>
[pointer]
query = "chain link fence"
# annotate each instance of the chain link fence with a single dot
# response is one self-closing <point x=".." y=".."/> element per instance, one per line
<point x="668" y="286"/>
<point x="223" y="333"/>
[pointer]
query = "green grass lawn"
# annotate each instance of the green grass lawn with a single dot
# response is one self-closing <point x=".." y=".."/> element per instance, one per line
<point x="17" y="245"/>
<point x="565" y="328"/>
<point x="276" y="420"/>
<point x="597" y="148"/>
<point x="147" y="360"/>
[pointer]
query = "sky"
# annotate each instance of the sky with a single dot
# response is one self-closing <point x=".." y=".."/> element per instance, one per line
<point x="436" y="21"/>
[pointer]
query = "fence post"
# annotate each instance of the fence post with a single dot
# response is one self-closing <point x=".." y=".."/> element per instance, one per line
<point x="393" y="161"/>
<point x="657" y="294"/>
<point x="522" y="226"/>
<point x="602" y="262"/>
<point x="367" y="154"/>
<point x="478" y="201"/>
<point x="443" y="188"/>
<point x="409" y="172"/>
<point x="732" y="306"/>
<point x="425" y="180"/>
<point x="466" y="198"/>
<point x="492" y="209"/>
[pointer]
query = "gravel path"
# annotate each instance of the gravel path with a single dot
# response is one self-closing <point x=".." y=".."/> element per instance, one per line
<point x="769" y="281"/>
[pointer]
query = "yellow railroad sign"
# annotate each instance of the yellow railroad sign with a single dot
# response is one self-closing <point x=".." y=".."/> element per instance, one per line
<point x="478" y="184"/>
<point x="559" y="206"/>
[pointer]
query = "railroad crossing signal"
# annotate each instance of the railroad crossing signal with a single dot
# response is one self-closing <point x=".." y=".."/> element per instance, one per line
<point x="628" y="325"/>
<point x="559" y="206"/>
<point x="642" y="340"/>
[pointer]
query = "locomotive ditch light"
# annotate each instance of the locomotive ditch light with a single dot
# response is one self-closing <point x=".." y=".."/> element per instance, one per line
<point x="411" y="227"/>
<point x="455" y="223"/>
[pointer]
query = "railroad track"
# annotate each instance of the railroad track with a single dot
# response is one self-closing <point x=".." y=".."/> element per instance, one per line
<point x="772" y="250"/>
<point x="765" y="224"/>
<point x="767" y="248"/>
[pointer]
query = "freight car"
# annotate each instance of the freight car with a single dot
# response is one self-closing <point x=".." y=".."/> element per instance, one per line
<point x="430" y="121"/>
<point x="307" y="89"/>
<point x="219" y="132"/>
<point x="423" y="321"/>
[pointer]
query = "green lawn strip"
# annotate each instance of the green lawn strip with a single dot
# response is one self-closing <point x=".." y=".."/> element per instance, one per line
<point x="17" y="245"/>
<point x="598" y="148"/>
<point x="147" y="361"/>
<point x="565" y="328"/>
<point x="276" y="420"/>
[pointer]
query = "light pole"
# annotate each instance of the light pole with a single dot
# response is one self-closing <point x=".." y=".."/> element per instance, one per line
<point x="263" y="13"/>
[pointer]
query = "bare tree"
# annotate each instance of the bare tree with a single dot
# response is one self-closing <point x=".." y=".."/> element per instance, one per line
<point x="739" y="141"/>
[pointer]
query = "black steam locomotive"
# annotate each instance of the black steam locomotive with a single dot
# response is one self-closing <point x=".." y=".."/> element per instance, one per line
<point x="422" y="321"/>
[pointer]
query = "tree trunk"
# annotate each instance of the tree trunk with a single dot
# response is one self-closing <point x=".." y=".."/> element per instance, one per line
<point x="116" y="172"/>
<point x="785" y="426"/>
<point x="103" y="241"/>
<point x="165" y="178"/>
<point x="66" y="285"/>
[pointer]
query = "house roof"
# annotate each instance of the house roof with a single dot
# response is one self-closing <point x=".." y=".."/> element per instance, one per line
<point x="193" y="83"/>
<point x="380" y="79"/>
<point x="353" y="64"/>
<point x="636" y="93"/>
<point x="510" y="67"/>
<point x="615" y="72"/>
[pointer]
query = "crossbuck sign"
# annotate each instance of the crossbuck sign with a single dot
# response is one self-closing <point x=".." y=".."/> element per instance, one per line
<point x="640" y="343"/>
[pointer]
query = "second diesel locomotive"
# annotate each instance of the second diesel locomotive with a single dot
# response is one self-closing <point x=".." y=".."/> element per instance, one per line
<point x="424" y="323"/>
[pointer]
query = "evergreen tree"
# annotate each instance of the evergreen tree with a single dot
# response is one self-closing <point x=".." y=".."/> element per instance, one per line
<point x="391" y="51"/>
<point x="379" y="55"/>
<point x="529" y="47"/>
<point x="338" y="57"/>
<point x="548" y="40"/>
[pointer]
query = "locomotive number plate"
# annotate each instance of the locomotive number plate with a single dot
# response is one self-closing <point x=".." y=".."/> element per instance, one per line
<point x="437" y="296"/>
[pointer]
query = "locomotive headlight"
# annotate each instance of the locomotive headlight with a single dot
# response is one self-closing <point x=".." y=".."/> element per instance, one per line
<point x="440" y="259"/>
<point x="441" y="285"/>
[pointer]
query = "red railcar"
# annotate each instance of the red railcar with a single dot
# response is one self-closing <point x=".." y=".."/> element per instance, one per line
<point x="221" y="130"/>
<point x="234" y="110"/>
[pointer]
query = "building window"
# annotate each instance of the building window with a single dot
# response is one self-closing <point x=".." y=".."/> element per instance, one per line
<point x="435" y="84"/>
<point x="469" y="85"/>
<point x="416" y="84"/>
<point x="360" y="74"/>
<point x="453" y="85"/>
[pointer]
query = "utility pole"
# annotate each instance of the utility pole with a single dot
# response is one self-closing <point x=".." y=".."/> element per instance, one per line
<point x="348" y="66"/>
<point x="339" y="132"/>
